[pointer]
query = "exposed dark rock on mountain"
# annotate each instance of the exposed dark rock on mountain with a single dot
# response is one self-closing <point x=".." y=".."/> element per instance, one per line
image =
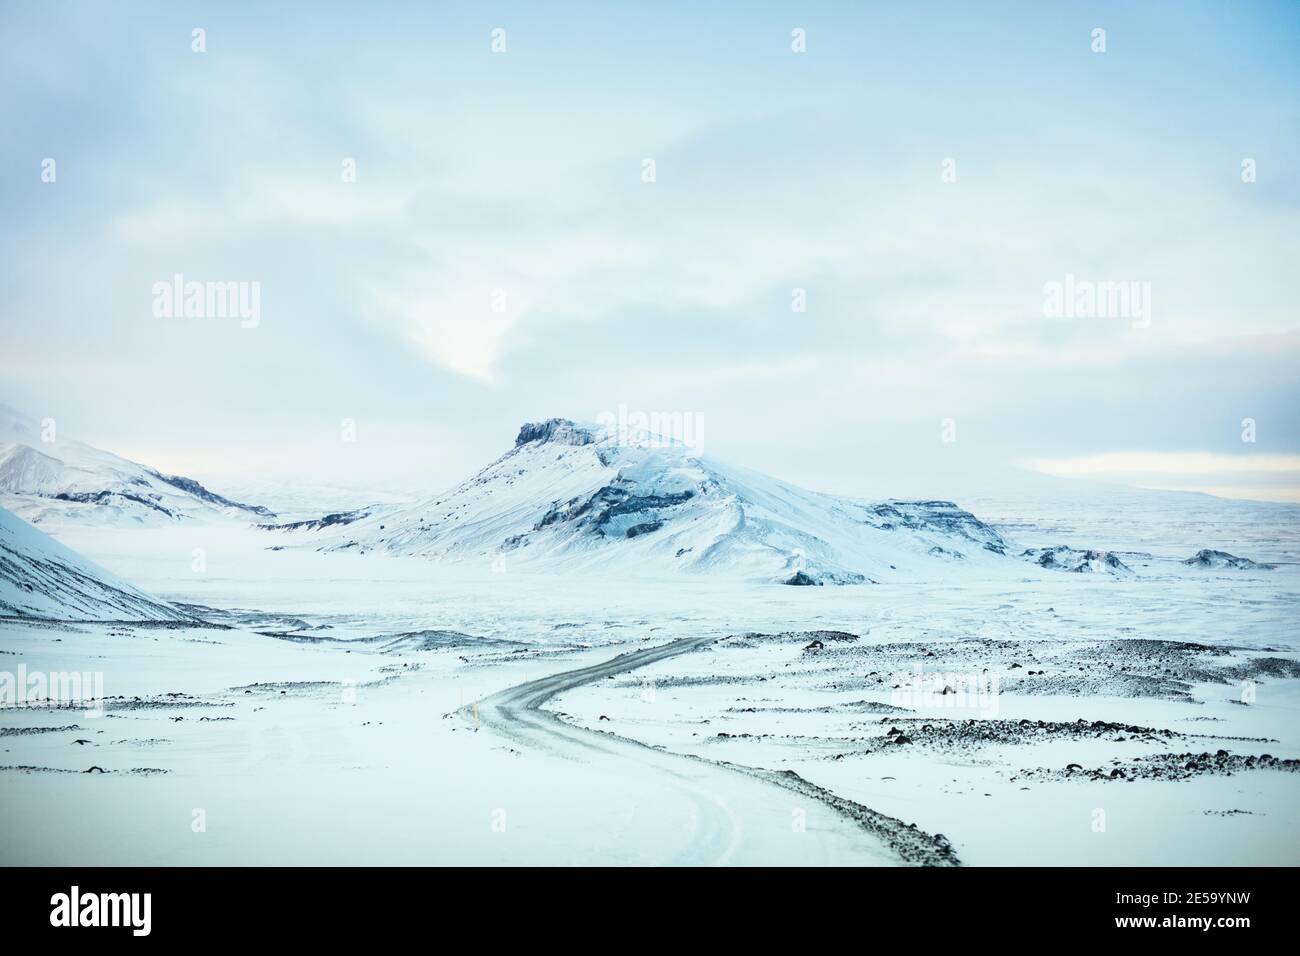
<point x="315" y="524"/>
<point x="190" y="486"/>
<point x="559" y="430"/>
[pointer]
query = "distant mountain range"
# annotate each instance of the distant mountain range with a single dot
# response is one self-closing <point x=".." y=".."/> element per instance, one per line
<point x="567" y="498"/>
<point x="73" y="481"/>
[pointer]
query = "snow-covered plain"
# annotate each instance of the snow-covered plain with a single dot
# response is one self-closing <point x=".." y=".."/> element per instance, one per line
<point x="369" y="705"/>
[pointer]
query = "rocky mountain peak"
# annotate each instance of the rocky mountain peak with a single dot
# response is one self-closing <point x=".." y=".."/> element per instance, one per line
<point x="559" y="431"/>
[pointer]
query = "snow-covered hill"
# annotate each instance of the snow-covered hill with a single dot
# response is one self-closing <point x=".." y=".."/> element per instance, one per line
<point x="1064" y="558"/>
<point x="41" y="578"/>
<point x="69" y="480"/>
<point x="587" y="497"/>
<point x="1220" y="560"/>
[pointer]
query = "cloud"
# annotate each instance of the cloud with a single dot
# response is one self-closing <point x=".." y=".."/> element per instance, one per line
<point x="1264" y="477"/>
<point x="499" y="256"/>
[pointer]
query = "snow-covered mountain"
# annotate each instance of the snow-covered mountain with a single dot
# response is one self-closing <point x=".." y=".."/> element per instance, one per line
<point x="43" y="480"/>
<point x="41" y="578"/>
<point x="590" y="497"/>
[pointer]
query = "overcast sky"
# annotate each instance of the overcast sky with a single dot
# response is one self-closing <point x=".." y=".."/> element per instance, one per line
<point x="501" y="258"/>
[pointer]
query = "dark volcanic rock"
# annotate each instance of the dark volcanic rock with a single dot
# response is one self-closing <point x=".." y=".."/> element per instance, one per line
<point x="802" y="579"/>
<point x="644" y="528"/>
<point x="190" y="486"/>
<point x="558" y="430"/>
<point x="1170" y="766"/>
<point x="315" y="524"/>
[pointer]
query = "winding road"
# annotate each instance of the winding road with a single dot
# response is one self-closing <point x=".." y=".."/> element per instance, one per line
<point x="741" y="814"/>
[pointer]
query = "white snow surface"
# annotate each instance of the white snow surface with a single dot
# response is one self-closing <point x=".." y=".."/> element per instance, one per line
<point x="335" y="720"/>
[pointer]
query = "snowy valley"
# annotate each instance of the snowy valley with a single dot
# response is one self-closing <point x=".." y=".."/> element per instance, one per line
<point x="606" y="648"/>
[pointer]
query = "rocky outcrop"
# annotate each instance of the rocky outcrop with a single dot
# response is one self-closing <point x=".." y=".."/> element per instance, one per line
<point x="1209" y="558"/>
<point x="559" y="431"/>
<point x="1062" y="558"/>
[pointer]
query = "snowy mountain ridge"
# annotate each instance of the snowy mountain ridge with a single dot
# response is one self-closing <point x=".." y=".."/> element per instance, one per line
<point x="611" y="498"/>
<point x="68" y="479"/>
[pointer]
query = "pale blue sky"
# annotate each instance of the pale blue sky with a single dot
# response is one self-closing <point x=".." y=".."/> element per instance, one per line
<point x="522" y="172"/>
